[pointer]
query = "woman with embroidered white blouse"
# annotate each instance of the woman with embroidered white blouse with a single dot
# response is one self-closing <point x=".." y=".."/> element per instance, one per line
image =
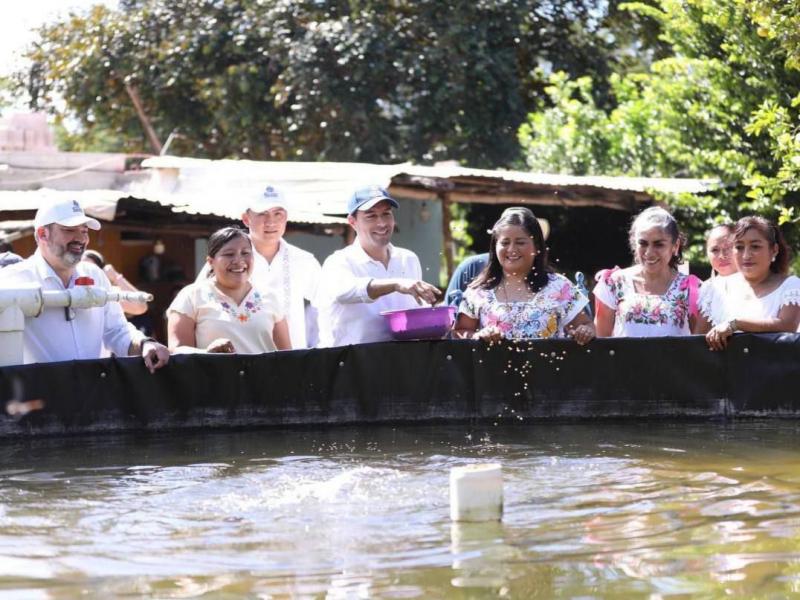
<point x="761" y="297"/>
<point x="225" y="313"/>
<point x="651" y="298"/>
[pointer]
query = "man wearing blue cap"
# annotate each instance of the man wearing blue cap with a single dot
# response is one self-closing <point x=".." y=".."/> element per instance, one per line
<point x="369" y="276"/>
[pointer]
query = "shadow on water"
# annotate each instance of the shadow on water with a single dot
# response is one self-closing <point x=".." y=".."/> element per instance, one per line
<point x="607" y="509"/>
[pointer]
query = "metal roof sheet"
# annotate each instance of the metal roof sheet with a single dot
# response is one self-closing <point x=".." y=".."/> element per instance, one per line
<point x="324" y="187"/>
<point x="102" y="204"/>
<point x="14" y="230"/>
<point x="619" y="183"/>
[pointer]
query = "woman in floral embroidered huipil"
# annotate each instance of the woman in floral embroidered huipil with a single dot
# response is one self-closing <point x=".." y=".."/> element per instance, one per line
<point x="225" y="313"/>
<point x="517" y="296"/>
<point x="651" y="298"/>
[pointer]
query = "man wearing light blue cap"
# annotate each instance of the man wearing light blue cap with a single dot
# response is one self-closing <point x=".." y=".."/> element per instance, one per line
<point x="369" y="276"/>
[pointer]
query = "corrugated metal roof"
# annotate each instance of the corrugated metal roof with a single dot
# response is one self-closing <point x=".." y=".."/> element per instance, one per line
<point x="626" y="184"/>
<point x="15" y="230"/>
<point x="225" y="185"/>
<point x="324" y="187"/>
<point x="102" y="204"/>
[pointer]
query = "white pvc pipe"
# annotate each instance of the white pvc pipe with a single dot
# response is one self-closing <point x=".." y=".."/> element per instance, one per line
<point x="29" y="300"/>
<point x="90" y="296"/>
<point x="120" y="296"/>
<point x="476" y="493"/>
<point x="12" y="323"/>
<point x="26" y="297"/>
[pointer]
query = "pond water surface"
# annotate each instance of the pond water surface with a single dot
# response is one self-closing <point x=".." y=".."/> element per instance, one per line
<point x="592" y="510"/>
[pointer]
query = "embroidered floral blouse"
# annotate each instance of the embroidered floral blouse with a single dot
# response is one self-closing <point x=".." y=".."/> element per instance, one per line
<point x="545" y="316"/>
<point x="726" y="298"/>
<point x="647" y="315"/>
<point x="248" y="325"/>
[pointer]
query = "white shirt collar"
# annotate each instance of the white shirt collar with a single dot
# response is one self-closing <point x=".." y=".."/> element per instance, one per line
<point x="362" y="256"/>
<point x="44" y="270"/>
<point x="282" y="248"/>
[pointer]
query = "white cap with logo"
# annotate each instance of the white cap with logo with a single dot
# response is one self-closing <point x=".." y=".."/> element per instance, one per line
<point x="63" y="212"/>
<point x="269" y="197"/>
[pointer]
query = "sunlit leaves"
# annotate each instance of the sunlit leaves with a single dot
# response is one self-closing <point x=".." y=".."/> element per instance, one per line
<point x="382" y="81"/>
<point x="725" y="105"/>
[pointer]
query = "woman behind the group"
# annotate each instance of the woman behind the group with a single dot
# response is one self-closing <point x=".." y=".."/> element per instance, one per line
<point x="225" y="313"/>
<point x="517" y="296"/>
<point x="761" y="297"/>
<point x="117" y="279"/>
<point x="719" y="250"/>
<point x="651" y="298"/>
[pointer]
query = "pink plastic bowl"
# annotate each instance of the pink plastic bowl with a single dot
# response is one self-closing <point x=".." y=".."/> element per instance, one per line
<point x="424" y="323"/>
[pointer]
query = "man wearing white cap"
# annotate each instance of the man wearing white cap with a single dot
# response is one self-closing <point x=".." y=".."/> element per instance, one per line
<point x="290" y="272"/>
<point x="369" y="276"/>
<point x="61" y="230"/>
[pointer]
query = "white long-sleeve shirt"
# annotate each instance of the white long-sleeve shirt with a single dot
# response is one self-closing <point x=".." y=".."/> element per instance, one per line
<point x="52" y="337"/>
<point x="347" y="315"/>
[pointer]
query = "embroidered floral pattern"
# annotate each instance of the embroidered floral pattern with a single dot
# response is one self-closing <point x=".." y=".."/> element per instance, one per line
<point x="544" y="316"/>
<point x="671" y="308"/>
<point x="246" y="310"/>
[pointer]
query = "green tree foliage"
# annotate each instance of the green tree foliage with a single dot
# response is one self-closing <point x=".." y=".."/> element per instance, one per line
<point x="724" y="105"/>
<point x="381" y="81"/>
<point x="6" y="93"/>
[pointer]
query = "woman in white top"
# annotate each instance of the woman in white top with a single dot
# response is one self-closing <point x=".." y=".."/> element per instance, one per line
<point x="651" y="298"/>
<point x="719" y="250"/>
<point x="225" y="313"/>
<point x="761" y="297"/>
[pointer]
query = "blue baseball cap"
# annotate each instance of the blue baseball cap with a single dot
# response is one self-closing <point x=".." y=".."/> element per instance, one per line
<point x="367" y="197"/>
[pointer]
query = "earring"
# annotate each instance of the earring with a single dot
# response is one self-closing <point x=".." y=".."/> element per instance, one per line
<point x="774" y="257"/>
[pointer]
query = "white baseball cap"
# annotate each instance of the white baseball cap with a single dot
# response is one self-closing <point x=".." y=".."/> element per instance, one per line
<point x="269" y="197"/>
<point x="64" y="212"/>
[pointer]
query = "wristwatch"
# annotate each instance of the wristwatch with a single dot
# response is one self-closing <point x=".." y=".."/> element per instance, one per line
<point x="732" y="325"/>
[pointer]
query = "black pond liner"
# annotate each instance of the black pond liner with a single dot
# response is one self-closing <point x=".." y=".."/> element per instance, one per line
<point x="410" y="382"/>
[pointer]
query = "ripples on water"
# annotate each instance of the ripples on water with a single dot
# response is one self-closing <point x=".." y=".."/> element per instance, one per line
<point x="592" y="510"/>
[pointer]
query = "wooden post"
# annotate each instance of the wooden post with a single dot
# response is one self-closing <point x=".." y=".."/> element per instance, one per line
<point x="349" y="235"/>
<point x="133" y="94"/>
<point x="447" y="236"/>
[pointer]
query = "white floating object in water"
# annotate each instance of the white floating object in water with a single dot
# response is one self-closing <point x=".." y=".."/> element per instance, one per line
<point x="476" y="492"/>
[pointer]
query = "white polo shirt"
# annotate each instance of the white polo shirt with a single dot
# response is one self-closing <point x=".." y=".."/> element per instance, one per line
<point x="51" y="337"/>
<point x="347" y="315"/>
<point x="293" y="276"/>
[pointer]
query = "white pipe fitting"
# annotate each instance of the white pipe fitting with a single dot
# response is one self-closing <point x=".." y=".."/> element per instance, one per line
<point x="29" y="300"/>
<point x="25" y="297"/>
<point x="476" y="493"/>
<point x="90" y="296"/>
